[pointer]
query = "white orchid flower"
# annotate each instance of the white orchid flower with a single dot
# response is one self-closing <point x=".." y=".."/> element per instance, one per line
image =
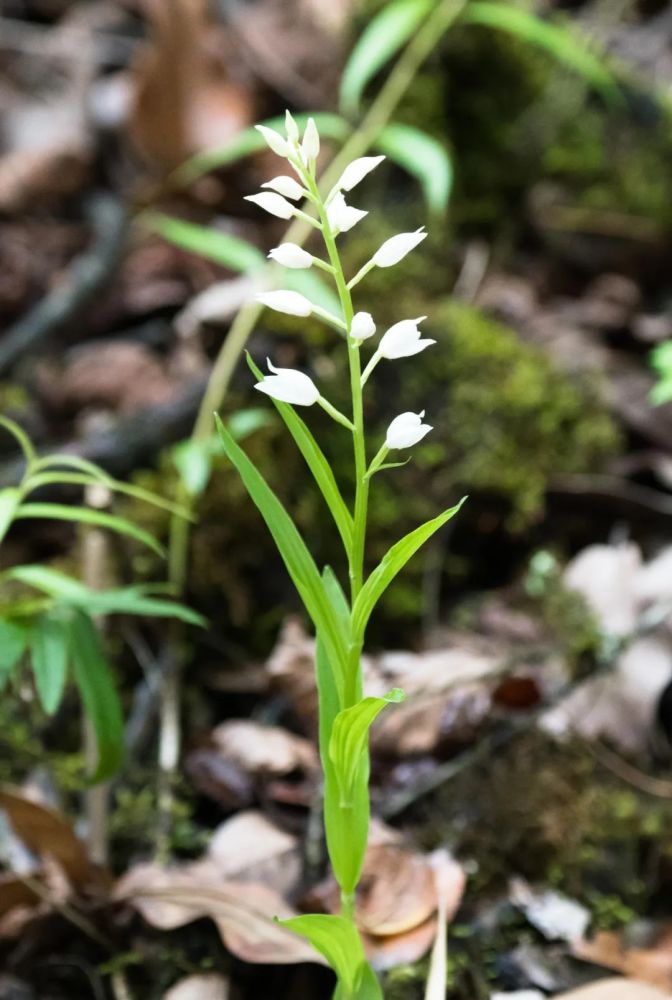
<point x="279" y="145"/>
<point x="291" y="255"/>
<point x="310" y="147"/>
<point x="396" y="248"/>
<point x="343" y="217"/>
<point x="291" y="128"/>
<point x="284" y="301"/>
<point x="288" y="385"/>
<point x="285" y="186"/>
<point x="403" y="340"/>
<point x="362" y="326"/>
<point x="272" y="203"/>
<point x="357" y="171"/>
<point x="406" y="430"/>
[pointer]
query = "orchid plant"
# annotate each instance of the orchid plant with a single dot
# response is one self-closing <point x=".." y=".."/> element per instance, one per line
<point x="340" y="621"/>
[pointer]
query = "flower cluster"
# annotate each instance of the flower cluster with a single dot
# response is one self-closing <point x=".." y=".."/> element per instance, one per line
<point x="402" y="340"/>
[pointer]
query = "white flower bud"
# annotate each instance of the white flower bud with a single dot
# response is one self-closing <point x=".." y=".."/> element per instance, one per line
<point x="406" y="430"/>
<point x="285" y="186"/>
<point x="289" y="386"/>
<point x="362" y="326"/>
<point x="291" y="128"/>
<point x="292" y="303"/>
<point x="273" y="203"/>
<point x="274" y="140"/>
<point x="396" y="248"/>
<point x="343" y="217"/>
<point x="403" y="340"/>
<point x="310" y="147"/>
<point x="357" y="171"/>
<point x="291" y="255"/>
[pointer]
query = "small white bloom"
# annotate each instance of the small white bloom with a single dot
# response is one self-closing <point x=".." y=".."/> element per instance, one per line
<point x="396" y="248"/>
<point x="285" y="186"/>
<point x="289" y="386"/>
<point x="291" y="255"/>
<point x="274" y="140"/>
<point x="288" y="302"/>
<point x="362" y="326"/>
<point x="310" y="147"/>
<point x="273" y="203"/>
<point x="357" y="171"/>
<point x="403" y="340"/>
<point x="406" y="430"/>
<point x="343" y="217"/>
<point x="291" y="128"/>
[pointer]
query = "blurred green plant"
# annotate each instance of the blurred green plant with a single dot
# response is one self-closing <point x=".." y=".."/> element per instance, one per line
<point x="661" y="360"/>
<point x="47" y="617"/>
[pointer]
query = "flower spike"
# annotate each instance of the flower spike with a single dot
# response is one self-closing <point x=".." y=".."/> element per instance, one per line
<point x="288" y="385"/>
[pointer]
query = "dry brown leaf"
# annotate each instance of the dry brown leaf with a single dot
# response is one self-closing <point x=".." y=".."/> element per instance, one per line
<point x="49" y="835"/>
<point x="184" y="99"/>
<point x="397" y="891"/>
<point x="400" y="949"/>
<point x="243" y="912"/>
<point x="650" y="962"/>
<point x="207" y="987"/>
<point x="263" y="750"/>
<point x="615" y="989"/>
<point x="250" y="848"/>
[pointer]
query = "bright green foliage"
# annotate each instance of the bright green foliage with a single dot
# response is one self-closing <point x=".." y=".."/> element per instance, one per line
<point x="422" y="156"/>
<point x="350" y="738"/>
<point x="661" y="359"/>
<point x="49" y="640"/>
<point x="337" y="939"/>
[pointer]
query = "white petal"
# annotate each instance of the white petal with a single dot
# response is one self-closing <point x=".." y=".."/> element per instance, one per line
<point x="343" y="217"/>
<point x="273" y="203"/>
<point x="396" y="248"/>
<point x="274" y="140"/>
<point x="291" y="128"/>
<point x="288" y="385"/>
<point x="291" y="255"/>
<point x="310" y="146"/>
<point x="362" y="326"/>
<point x="286" y="186"/>
<point x="285" y="301"/>
<point x="406" y="430"/>
<point x="403" y="340"/>
<point x="357" y="171"/>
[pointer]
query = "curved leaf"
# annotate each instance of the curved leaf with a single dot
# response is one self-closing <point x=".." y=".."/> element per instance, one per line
<point x="383" y="36"/>
<point x="250" y="141"/>
<point x="99" y="695"/>
<point x="350" y="739"/>
<point x="338" y="940"/>
<point x="84" y="515"/>
<point x="49" y="647"/>
<point x="13" y="642"/>
<point x="316" y="462"/>
<point x="20" y="436"/>
<point x="565" y="45"/>
<point x="224" y="248"/>
<point x="422" y="156"/>
<point x="10" y="500"/>
<point x="296" y="557"/>
<point x="392" y="563"/>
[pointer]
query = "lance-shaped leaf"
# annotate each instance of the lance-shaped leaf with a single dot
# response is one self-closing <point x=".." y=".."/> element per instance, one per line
<point x="96" y="518"/>
<point x="49" y="650"/>
<point x="296" y="557"/>
<point x="316" y="462"/>
<point x="10" y="499"/>
<point x="424" y="157"/>
<point x="99" y="696"/>
<point x="392" y="27"/>
<point x="392" y="563"/>
<point x="13" y="642"/>
<point x="338" y="940"/>
<point x="350" y="739"/>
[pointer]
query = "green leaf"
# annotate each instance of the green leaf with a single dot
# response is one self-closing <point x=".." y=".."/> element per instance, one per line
<point x="136" y="600"/>
<point x="49" y="648"/>
<point x="564" y="44"/>
<point x="10" y="500"/>
<point x="316" y="462"/>
<point x="99" y="696"/>
<point x="349" y="741"/>
<point x="392" y="563"/>
<point x="13" y="642"/>
<point x="383" y="36"/>
<point x="41" y="479"/>
<point x="97" y="518"/>
<point x="296" y="557"/>
<point x="224" y="248"/>
<point x="250" y="141"/>
<point x="422" y="156"/>
<point x="20" y="436"/>
<point x="338" y="940"/>
<point x="193" y="461"/>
